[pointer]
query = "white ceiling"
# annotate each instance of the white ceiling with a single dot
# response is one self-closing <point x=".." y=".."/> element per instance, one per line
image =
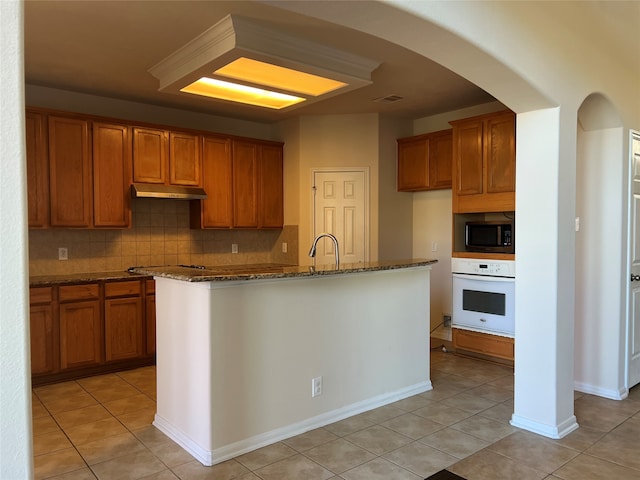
<point x="106" y="47"/>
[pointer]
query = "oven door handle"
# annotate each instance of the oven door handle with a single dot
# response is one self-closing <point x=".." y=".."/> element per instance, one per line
<point x="483" y="278"/>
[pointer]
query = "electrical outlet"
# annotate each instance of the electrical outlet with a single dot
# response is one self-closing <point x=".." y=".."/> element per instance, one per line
<point x="234" y="248"/>
<point x="316" y="386"/>
<point x="63" y="253"/>
<point x="285" y="247"/>
<point x="446" y="320"/>
<point x="434" y="246"/>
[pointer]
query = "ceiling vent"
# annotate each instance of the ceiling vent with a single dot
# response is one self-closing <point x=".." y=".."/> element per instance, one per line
<point x="389" y="99"/>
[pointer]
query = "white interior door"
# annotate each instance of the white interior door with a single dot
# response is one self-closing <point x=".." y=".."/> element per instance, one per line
<point x="633" y="330"/>
<point x="340" y="208"/>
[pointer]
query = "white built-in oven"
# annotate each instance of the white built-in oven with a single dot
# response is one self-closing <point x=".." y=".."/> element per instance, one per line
<point x="484" y="295"/>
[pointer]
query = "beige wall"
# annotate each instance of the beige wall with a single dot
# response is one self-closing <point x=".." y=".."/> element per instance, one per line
<point x="160" y="235"/>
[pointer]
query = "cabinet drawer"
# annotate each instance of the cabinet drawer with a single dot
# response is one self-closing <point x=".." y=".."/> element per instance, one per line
<point x="121" y="289"/>
<point x="40" y="295"/>
<point x="85" y="291"/>
<point x="492" y="345"/>
<point x="151" y="287"/>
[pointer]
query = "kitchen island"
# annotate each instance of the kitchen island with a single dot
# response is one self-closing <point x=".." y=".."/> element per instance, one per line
<point x="238" y="349"/>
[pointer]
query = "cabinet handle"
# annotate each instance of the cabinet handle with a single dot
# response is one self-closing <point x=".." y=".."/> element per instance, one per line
<point x="635" y="278"/>
<point x="483" y="320"/>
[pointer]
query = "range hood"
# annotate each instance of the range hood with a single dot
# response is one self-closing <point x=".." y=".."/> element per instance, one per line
<point x="147" y="190"/>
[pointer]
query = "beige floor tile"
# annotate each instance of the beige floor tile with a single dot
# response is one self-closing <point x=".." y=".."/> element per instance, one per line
<point x="379" y="469"/>
<point x="443" y="413"/>
<point x="90" y="432"/>
<point x="109" y="394"/>
<point x="42" y="425"/>
<point x="487" y="465"/>
<point x="152" y="437"/>
<point x="172" y="454"/>
<point x="534" y="450"/>
<point x="412" y="403"/>
<point x="601" y="414"/>
<point x="339" y="455"/>
<point x="100" y="382"/>
<point x="138" y="374"/>
<point x="294" y="468"/>
<point x="380" y="414"/>
<point x="129" y="404"/>
<point x="484" y="428"/>
<point x="581" y="439"/>
<point x="162" y="475"/>
<point x="310" y="439"/>
<point x="58" y="390"/>
<point x="378" y="440"/>
<point x="50" y="442"/>
<point x="139" y="419"/>
<point x="73" y="418"/>
<point x="586" y="467"/>
<point x="491" y="392"/>
<point x="109" y="448"/>
<point x="454" y="442"/>
<point x="57" y="463"/>
<point x="460" y="382"/>
<point x="470" y="403"/>
<point x="621" y="446"/>
<point x="441" y="392"/>
<point x="69" y="402"/>
<point x="223" y="471"/>
<point x="412" y="426"/>
<point x="82" y="474"/>
<point x="500" y="413"/>
<point x="38" y="410"/>
<point x="129" y="467"/>
<point x="506" y="382"/>
<point x="349" y="425"/>
<point x="265" y="456"/>
<point x="420" y="459"/>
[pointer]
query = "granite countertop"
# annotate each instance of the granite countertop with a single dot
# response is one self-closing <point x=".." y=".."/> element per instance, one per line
<point x="48" y="280"/>
<point x="270" y="271"/>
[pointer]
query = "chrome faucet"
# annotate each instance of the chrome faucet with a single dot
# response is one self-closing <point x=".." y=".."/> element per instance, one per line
<point x="312" y="252"/>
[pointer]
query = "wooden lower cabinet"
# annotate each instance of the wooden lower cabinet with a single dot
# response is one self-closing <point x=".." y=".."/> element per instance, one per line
<point x="80" y="334"/>
<point x="92" y="328"/>
<point x="123" y="328"/>
<point x="42" y="331"/>
<point x="483" y="344"/>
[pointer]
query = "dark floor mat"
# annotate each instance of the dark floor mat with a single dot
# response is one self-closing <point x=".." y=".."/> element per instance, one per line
<point x="444" y="475"/>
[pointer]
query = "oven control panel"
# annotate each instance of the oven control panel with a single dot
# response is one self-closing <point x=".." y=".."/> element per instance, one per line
<point x="494" y="268"/>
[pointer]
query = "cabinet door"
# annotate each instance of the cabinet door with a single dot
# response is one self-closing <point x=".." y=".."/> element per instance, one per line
<point x="216" y="211"/>
<point x="42" y="339"/>
<point x="271" y="208"/>
<point x="413" y="161"/>
<point x="80" y="334"/>
<point x="149" y="155"/>
<point x="467" y="151"/>
<point x="245" y="184"/>
<point x="123" y="328"/>
<point x="440" y="158"/>
<point x="111" y="175"/>
<point x="151" y="324"/>
<point x="500" y="153"/>
<point x="69" y="172"/>
<point x="37" y="169"/>
<point x="185" y="164"/>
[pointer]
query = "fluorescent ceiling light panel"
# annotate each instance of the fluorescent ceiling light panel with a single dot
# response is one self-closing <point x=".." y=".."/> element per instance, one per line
<point x="275" y="76"/>
<point x="234" y="92"/>
<point x="252" y="53"/>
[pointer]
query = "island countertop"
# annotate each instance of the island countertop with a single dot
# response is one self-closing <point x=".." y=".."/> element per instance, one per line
<point x="270" y="271"/>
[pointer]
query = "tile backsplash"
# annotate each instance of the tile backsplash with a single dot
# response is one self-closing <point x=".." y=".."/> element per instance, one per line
<point x="160" y="235"/>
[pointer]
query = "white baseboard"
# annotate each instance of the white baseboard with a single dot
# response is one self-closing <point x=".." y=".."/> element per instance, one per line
<point x="226" y="452"/>
<point x="619" y="394"/>
<point x="550" y="431"/>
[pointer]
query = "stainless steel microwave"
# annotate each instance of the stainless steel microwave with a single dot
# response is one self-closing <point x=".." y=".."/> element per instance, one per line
<point x="496" y="237"/>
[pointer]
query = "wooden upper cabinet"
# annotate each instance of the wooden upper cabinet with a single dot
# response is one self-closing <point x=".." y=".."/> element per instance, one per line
<point x="149" y="155"/>
<point x="185" y="165"/>
<point x="166" y="157"/>
<point x="270" y="175"/>
<point x="69" y="172"/>
<point x="484" y="163"/>
<point x="424" y="162"/>
<point x="37" y="169"/>
<point x="216" y="211"/>
<point x="111" y="175"/>
<point x="245" y="184"/>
